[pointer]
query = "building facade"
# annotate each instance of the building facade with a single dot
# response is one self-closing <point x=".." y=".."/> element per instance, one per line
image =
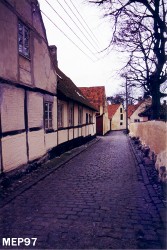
<point x="117" y="116"/>
<point x="97" y="97"/>
<point x="29" y="107"/>
<point x="76" y="116"/>
<point x="135" y="109"/>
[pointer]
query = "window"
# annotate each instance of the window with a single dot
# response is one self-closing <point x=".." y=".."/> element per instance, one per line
<point x="60" y="110"/>
<point x="86" y="118"/>
<point x="89" y="118"/>
<point x="121" y="116"/>
<point x="23" y="39"/>
<point x="48" y="115"/>
<point x="80" y="115"/>
<point x="120" y="110"/>
<point x="121" y="123"/>
<point x="70" y="114"/>
<point x="136" y="120"/>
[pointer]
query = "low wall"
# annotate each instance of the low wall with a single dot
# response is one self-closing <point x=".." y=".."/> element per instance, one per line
<point x="154" y="135"/>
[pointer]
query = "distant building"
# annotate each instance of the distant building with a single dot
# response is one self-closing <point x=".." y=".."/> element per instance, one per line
<point x="135" y="110"/>
<point x="97" y="97"/>
<point x="117" y="116"/>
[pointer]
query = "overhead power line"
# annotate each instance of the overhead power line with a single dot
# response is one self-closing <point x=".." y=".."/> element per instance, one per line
<point x="90" y="33"/>
<point x="70" y="28"/>
<point x="78" y="26"/>
<point x="67" y="36"/>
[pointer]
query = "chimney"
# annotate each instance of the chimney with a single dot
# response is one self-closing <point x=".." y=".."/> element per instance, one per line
<point x="53" y="53"/>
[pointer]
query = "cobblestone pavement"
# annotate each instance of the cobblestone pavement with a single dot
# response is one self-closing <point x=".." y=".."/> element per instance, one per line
<point x="94" y="201"/>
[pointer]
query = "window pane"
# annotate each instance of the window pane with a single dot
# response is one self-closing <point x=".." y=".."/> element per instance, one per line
<point x="50" y="107"/>
<point x="20" y="37"/>
<point x="46" y="107"/>
<point x="48" y="115"/>
<point x="26" y="41"/>
<point x="23" y="37"/>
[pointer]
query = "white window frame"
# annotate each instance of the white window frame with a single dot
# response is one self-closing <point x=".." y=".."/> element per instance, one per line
<point x="48" y="115"/>
<point x="60" y="114"/>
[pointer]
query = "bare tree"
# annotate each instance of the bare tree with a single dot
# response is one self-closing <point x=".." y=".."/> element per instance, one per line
<point x="139" y="27"/>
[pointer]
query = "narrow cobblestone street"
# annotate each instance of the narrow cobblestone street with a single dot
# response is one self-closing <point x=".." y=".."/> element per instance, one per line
<point x="93" y="201"/>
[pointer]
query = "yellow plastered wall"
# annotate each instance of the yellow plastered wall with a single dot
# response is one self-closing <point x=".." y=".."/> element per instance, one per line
<point x="70" y="134"/>
<point x="44" y="76"/>
<point x="154" y="135"/>
<point x="36" y="144"/>
<point x="80" y="131"/>
<point x="62" y="136"/>
<point x="8" y="44"/>
<point x="106" y="123"/>
<point x="115" y="123"/>
<point x="14" y="151"/>
<point x="12" y="108"/>
<point x="83" y="131"/>
<point x="35" y="109"/>
<point x="76" y="132"/>
<point x="38" y="71"/>
<point x="50" y="140"/>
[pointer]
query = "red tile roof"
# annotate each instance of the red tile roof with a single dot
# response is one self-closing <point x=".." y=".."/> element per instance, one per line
<point x="96" y="95"/>
<point x="112" y="110"/>
<point x="132" y="108"/>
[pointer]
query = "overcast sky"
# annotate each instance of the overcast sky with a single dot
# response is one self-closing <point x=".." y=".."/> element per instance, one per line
<point x="92" y="69"/>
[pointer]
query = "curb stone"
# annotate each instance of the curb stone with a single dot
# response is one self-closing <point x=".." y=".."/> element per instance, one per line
<point x="145" y="178"/>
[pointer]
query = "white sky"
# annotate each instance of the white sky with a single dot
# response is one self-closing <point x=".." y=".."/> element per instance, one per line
<point x="82" y="70"/>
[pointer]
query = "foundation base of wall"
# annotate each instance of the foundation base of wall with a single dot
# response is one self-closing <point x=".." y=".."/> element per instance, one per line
<point x="7" y="178"/>
<point x="66" y="146"/>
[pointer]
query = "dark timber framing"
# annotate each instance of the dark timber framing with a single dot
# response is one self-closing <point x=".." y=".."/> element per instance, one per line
<point x="1" y="159"/>
<point x="26" y="123"/>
